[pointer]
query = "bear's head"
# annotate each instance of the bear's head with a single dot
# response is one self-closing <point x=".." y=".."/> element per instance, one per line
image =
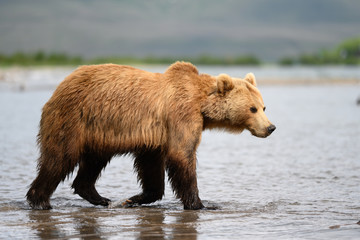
<point x="236" y="104"/>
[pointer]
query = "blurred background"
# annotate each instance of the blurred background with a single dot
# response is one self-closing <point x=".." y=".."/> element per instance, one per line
<point x="300" y="183"/>
<point x="161" y="31"/>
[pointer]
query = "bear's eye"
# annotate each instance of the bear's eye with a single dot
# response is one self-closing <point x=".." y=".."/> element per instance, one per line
<point x="264" y="109"/>
<point x="253" y="109"/>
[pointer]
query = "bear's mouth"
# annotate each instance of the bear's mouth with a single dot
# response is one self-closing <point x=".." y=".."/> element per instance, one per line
<point x="257" y="134"/>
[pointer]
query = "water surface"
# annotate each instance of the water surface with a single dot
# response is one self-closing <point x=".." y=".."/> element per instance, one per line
<point x="302" y="182"/>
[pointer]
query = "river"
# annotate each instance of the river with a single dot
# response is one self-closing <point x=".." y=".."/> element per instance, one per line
<point x="302" y="182"/>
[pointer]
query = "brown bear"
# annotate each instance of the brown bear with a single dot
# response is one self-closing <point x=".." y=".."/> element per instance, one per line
<point x="99" y="111"/>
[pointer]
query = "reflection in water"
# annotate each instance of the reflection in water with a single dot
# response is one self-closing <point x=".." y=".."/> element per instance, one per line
<point x="53" y="225"/>
<point x="151" y="224"/>
<point x="186" y="225"/>
<point x="161" y="225"/>
<point x="158" y="224"/>
<point x="46" y="225"/>
<point x="84" y="223"/>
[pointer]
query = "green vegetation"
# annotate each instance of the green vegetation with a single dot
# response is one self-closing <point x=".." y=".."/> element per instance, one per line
<point x="209" y="60"/>
<point x="40" y="58"/>
<point x="347" y="53"/>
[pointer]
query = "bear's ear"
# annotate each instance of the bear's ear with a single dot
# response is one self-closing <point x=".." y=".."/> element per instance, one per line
<point x="224" y="83"/>
<point x="250" y="77"/>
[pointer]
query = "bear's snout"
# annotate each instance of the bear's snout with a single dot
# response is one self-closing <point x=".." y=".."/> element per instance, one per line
<point x="271" y="128"/>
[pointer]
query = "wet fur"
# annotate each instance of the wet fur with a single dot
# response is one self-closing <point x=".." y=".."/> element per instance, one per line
<point x="104" y="110"/>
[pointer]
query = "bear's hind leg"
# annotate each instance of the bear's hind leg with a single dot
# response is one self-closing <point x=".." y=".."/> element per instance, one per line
<point x="90" y="167"/>
<point x="41" y="189"/>
<point x="50" y="173"/>
<point x="149" y="165"/>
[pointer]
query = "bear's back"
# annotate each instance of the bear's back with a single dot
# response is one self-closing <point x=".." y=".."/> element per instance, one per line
<point x="112" y="103"/>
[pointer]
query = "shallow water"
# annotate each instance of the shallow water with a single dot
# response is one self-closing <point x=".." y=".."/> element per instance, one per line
<point x="301" y="182"/>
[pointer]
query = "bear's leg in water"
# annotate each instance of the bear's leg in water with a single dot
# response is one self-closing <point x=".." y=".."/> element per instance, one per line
<point x="90" y="167"/>
<point x="182" y="175"/>
<point x="50" y="173"/>
<point x="149" y="165"/>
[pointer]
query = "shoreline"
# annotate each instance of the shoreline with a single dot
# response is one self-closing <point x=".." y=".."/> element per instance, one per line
<point x="48" y="77"/>
<point x="307" y="82"/>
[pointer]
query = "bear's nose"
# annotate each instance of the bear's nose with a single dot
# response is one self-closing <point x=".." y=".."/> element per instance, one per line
<point x="271" y="128"/>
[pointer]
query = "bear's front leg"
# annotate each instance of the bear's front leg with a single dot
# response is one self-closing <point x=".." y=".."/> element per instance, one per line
<point x="182" y="175"/>
<point x="149" y="165"/>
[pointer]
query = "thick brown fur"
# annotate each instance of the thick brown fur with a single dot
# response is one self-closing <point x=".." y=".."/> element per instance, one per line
<point x="100" y="111"/>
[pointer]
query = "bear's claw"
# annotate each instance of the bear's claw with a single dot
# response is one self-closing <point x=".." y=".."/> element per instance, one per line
<point x="127" y="203"/>
<point x="99" y="201"/>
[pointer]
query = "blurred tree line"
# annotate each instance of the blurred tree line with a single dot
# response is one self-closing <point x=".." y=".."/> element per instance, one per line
<point x="41" y="58"/>
<point x="346" y="53"/>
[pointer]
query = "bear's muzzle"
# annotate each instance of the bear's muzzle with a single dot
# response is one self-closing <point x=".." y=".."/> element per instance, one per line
<point x="271" y="128"/>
